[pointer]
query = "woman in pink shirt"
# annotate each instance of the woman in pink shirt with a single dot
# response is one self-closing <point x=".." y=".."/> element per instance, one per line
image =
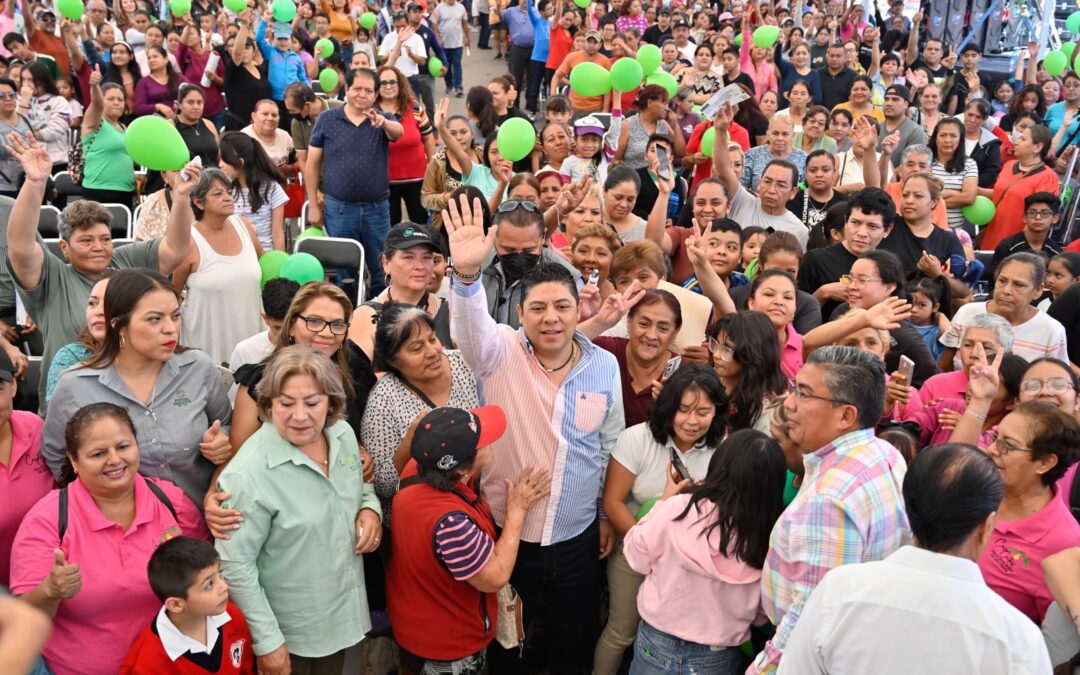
<point x="90" y="573"/>
<point x="773" y="293"/>
<point x="991" y="331"/>
<point x="632" y="17"/>
<point x="753" y="61"/>
<point x="701" y="553"/>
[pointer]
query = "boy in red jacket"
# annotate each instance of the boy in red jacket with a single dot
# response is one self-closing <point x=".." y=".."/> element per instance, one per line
<point x="198" y="630"/>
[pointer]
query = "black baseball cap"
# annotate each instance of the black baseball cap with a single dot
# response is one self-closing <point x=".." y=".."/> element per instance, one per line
<point x="407" y="235"/>
<point x="681" y="22"/>
<point x="898" y="90"/>
<point x="446" y="438"/>
<point x="7" y="368"/>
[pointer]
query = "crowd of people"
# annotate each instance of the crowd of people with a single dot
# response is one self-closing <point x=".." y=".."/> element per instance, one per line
<point x="757" y="391"/>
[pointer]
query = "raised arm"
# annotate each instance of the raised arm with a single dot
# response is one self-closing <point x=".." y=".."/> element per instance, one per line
<point x="177" y="241"/>
<point x="886" y="315"/>
<point x="722" y="167"/>
<point x="452" y="148"/>
<point x="26" y="254"/>
<point x="913" y="39"/>
<point x="244" y="21"/>
<point x="92" y="114"/>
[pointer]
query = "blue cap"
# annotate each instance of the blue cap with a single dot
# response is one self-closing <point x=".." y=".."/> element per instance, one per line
<point x="282" y="30"/>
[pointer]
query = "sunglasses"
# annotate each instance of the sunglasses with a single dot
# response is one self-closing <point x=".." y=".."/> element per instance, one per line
<point x="388" y="83"/>
<point x="515" y="204"/>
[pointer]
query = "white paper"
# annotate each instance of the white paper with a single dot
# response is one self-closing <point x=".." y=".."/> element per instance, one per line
<point x="696" y="310"/>
<point x="211" y="65"/>
<point x="732" y="94"/>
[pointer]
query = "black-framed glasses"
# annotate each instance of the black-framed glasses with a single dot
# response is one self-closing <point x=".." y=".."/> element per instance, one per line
<point x="316" y="325"/>
<point x="388" y="83"/>
<point x="1041" y="214"/>
<point x="515" y="204"/>
<point x="801" y="396"/>
<point x="1004" y="445"/>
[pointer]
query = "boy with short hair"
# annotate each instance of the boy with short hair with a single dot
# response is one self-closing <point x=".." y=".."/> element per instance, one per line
<point x="197" y="630"/>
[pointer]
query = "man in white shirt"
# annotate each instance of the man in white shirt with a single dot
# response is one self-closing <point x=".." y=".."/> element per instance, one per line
<point x="926" y="607"/>
<point x="405" y="49"/>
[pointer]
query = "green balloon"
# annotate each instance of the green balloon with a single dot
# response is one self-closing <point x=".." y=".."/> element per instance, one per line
<point x="236" y="6"/>
<point x="590" y="79"/>
<point x="1055" y="62"/>
<point x="180" y="7"/>
<point x="1068" y="48"/>
<point x="765" y="36"/>
<point x="738" y="40"/>
<point x="311" y="232"/>
<point x="1076" y="63"/>
<point x="324" y="48"/>
<point x="626" y="74"/>
<point x="646" y="507"/>
<point x="155" y="144"/>
<point x="284" y="10"/>
<point x="434" y="66"/>
<point x="665" y="80"/>
<point x="71" y="9"/>
<point x="979" y="212"/>
<point x="328" y="80"/>
<point x="367" y="20"/>
<point x="270" y="263"/>
<point x="302" y="268"/>
<point x="1073" y="23"/>
<point x="649" y="58"/>
<point x="582" y="3"/>
<point x="516" y="139"/>
<point x="707" y="141"/>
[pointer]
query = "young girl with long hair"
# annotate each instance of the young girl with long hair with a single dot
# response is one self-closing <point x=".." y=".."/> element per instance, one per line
<point x="258" y="187"/>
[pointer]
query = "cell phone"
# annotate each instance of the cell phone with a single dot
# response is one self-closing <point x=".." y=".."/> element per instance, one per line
<point x="664" y="170"/>
<point x="670" y="368"/>
<point x="679" y="467"/>
<point x="594" y="277"/>
<point x="907" y="368"/>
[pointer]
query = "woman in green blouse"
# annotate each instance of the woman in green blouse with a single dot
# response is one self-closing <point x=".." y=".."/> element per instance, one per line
<point x="108" y="172"/>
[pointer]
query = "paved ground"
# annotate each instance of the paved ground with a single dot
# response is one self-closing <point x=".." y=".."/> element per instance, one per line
<point x="478" y="69"/>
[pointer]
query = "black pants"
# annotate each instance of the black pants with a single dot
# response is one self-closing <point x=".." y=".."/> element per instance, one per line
<point x="538" y="77"/>
<point x="110" y="197"/>
<point x="557" y="588"/>
<point x="484" y="41"/>
<point x="410" y="193"/>
<point x="519" y="63"/>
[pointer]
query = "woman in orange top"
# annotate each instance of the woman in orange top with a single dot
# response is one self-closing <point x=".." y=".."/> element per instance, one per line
<point x="342" y="24"/>
<point x="1023" y="176"/>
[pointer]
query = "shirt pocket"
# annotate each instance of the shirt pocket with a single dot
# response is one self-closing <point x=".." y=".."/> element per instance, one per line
<point x="589" y="411"/>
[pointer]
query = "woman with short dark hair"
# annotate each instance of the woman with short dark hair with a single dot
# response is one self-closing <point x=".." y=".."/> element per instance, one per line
<point x="684" y="427"/>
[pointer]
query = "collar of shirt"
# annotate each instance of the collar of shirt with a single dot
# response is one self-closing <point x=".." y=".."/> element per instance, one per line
<point x="1038" y="525"/>
<point x="698" y="447"/>
<point x="937" y="563"/>
<point x="177" y="644"/>
<point x="22" y="433"/>
<point x="588" y="349"/>
<point x="820" y="458"/>
<point x="278" y="450"/>
<point x="84" y="502"/>
<point x="170" y="370"/>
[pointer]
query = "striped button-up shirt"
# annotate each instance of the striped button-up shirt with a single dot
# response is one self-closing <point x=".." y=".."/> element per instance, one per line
<point x="569" y="428"/>
<point x="850" y="509"/>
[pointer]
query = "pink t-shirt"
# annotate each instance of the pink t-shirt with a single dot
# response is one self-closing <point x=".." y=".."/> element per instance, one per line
<point x="23" y="482"/>
<point x="791" y="356"/>
<point x="1012" y="562"/>
<point x="945" y="385"/>
<point x="93" y="631"/>
<point x="1064" y="484"/>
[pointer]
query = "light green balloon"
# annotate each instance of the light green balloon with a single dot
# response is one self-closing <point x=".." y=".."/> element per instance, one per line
<point x="328" y="80"/>
<point x="71" y="9"/>
<point x="367" y="20"/>
<point x="155" y="144"/>
<point x="1068" y="48"/>
<point x="284" y="10"/>
<point x="180" y="7"/>
<point x="707" y="141"/>
<point x="765" y="36"/>
<point x="649" y="57"/>
<point x="302" y="268"/>
<point x="270" y="264"/>
<point x="626" y="74"/>
<point x="979" y="212"/>
<point x="1055" y="62"/>
<point x="236" y="6"/>
<point x="646" y="507"/>
<point x="1073" y="23"/>
<point x="582" y="3"/>
<point x="324" y="48"/>
<point x="738" y="40"/>
<point x="516" y="139"/>
<point x="434" y="66"/>
<point x="665" y="80"/>
<point x="310" y="232"/>
<point x="590" y="79"/>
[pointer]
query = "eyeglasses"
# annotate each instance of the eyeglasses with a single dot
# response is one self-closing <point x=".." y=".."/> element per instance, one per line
<point x="387" y="83"/>
<point x="801" y="397"/>
<point x="515" y="204"/>
<point x="722" y="351"/>
<point x="316" y="325"/>
<point x="857" y="282"/>
<point x="1004" y="446"/>
<point x="1056" y="385"/>
<point x="1042" y="214"/>
<point x="7" y="94"/>
<point x="817" y="121"/>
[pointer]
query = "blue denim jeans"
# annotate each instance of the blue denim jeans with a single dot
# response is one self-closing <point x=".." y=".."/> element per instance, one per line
<point x="367" y="223"/>
<point x="453" y="69"/>
<point x="656" y="653"/>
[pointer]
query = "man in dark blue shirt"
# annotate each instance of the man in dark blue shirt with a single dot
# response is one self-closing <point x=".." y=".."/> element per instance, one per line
<point x="352" y="144"/>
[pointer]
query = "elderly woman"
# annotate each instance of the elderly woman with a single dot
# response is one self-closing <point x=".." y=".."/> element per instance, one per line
<point x="709" y="541"/>
<point x="778" y="146"/>
<point x="421" y="374"/>
<point x="1018" y="282"/>
<point x="220" y="276"/>
<point x="591" y="251"/>
<point x="813" y="136"/>
<point x="654" y="117"/>
<point x="276" y="141"/>
<point x="990" y="331"/>
<point x="685" y="426"/>
<point x="175" y="396"/>
<point x="90" y="576"/>
<point x="306" y="507"/>
<point x="450" y="561"/>
<point x="108" y="172"/>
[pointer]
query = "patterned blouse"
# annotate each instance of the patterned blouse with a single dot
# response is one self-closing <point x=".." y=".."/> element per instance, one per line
<point x="391" y="407"/>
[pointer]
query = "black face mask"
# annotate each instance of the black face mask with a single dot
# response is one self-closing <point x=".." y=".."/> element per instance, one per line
<point x="517" y="265"/>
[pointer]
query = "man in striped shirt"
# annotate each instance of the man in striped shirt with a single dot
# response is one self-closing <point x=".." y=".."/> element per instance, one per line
<point x="563" y="403"/>
<point x="850" y="507"/>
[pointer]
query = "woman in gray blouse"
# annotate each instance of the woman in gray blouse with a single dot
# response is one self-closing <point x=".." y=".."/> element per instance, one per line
<point x="176" y="397"/>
